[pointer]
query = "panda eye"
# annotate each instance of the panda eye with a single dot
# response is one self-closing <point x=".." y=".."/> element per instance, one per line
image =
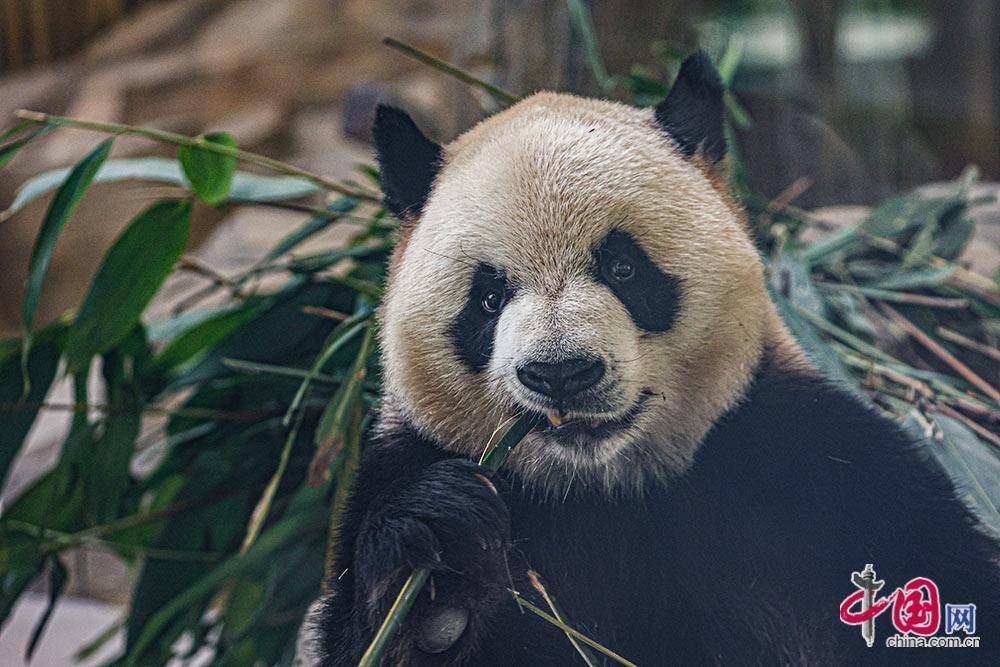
<point x="493" y="300"/>
<point x="620" y="269"/>
<point x="616" y="268"/>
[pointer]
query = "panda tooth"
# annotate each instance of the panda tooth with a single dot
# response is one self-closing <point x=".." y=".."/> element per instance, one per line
<point x="554" y="418"/>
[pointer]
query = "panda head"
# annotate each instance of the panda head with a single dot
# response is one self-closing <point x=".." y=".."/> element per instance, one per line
<point x="573" y="257"/>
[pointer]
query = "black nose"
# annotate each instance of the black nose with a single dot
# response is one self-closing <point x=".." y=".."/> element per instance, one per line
<point x="561" y="379"/>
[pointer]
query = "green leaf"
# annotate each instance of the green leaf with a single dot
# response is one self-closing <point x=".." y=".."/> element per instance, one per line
<point x="246" y="187"/>
<point x="19" y="409"/>
<point x="646" y="89"/>
<point x="131" y="274"/>
<point x="729" y="63"/>
<point x="210" y="173"/>
<point x="58" y="576"/>
<point x="951" y="243"/>
<point x="15" y="130"/>
<point x="57" y="498"/>
<point x="343" y="334"/>
<point x="282" y="533"/>
<point x="970" y="463"/>
<point x="8" y="151"/>
<point x="917" y="279"/>
<point x="21" y="560"/>
<point x="204" y="336"/>
<point x="790" y="276"/>
<point x="821" y="354"/>
<point x="737" y="113"/>
<point x="246" y="602"/>
<point x="60" y="210"/>
<point x="584" y="23"/>
<point x="334" y="424"/>
<point x="325" y="260"/>
<point x="108" y="461"/>
<point x="313" y="227"/>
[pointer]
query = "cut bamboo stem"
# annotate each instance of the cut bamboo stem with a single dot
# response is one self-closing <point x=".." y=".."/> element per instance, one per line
<point x="494" y="460"/>
<point x="968" y="343"/>
<point x="944" y="355"/>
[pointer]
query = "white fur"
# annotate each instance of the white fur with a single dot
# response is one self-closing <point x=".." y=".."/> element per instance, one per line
<point x="532" y="190"/>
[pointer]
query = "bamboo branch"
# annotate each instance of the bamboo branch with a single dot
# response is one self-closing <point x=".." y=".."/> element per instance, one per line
<point x="968" y="343"/>
<point x="499" y="94"/>
<point x="536" y="583"/>
<point x="411" y="589"/>
<point x="175" y="139"/>
<point x="898" y="297"/>
<point x="981" y="430"/>
<point x="570" y="631"/>
<point x="944" y="355"/>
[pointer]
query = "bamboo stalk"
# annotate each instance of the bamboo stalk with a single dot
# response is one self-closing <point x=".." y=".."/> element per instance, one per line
<point x="972" y="281"/>
<point x="499" y="94"/>
<point x="570" y="631"/>
<point x="175" y="139"/>
<point x="944" y="355"/>
<point x="968" y="343"/>
<point x="978" y="428"/>
<point x="397" y="614"/>
<point x="536" y="583"/>
<point x="898" y="297"/>
<point x="494" y="460"/>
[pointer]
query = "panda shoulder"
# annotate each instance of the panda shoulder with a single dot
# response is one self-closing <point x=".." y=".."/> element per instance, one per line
<point x="794" y="416"/>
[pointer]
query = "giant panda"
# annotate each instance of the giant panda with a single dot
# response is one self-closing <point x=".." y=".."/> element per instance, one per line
<point x="699" y="493"/>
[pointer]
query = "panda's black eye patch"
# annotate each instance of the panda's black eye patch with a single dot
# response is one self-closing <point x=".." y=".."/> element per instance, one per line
<point x="473" y="329"/>
<point x="651" y="296"/>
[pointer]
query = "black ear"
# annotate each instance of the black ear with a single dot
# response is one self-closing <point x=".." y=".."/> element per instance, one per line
<point x="407" y="159"/>
<point x="692" y="112"/>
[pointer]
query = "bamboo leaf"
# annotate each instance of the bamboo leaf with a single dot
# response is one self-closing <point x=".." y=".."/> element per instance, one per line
<point x="917" y="278"/>
<point x="313" y="227"/>
<point x="8" y="151"/>
<point x="21" y="560"/>
<point x="203" y="336"/>
<point x="131" y="274"/>
<point x="970" y="464"/>
<point x="63" y="204"/>
<point x="584" y="23"/>
<point x="245" y="186"/>
<point x="340" y="336"/>
<point x="258" y="556"/>
<point x="333" y="423"/>
<point x="15" y="130"/>
<point x="210" y="174"/>
<point x="731" y="59"/>
<point x="18" y="408"/>
<point x="498" y="94"/>
<point x="58" y="576"/>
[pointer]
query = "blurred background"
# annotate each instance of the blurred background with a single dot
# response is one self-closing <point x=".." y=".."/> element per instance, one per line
<point x="843" y="103"/>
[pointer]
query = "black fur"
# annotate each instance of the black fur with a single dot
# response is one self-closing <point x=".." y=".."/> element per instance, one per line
<point x="742" y="560"/>
<point x="693" y="111"/>
<point x="651" y="296"/>
<point x="473" y="329"/>
<point x="407" y="159"/>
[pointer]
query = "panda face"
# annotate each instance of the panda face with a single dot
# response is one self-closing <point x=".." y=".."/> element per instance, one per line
<point x="571" y="260"/>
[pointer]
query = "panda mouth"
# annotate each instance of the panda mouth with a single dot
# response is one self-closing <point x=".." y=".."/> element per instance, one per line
<point x="557" y="425"/>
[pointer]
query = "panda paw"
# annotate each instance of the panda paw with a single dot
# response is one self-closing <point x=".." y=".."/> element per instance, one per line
<point x="452" y="521"/>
